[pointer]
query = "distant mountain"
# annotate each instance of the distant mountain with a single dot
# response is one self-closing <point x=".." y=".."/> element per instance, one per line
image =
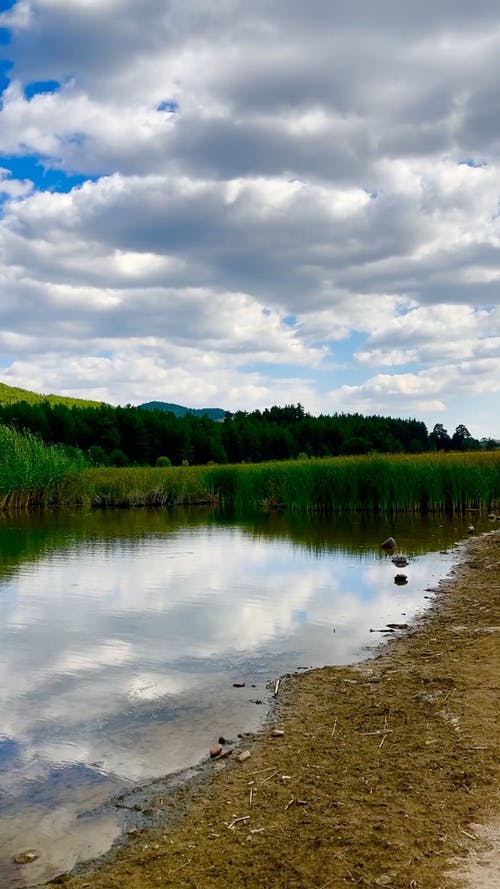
<point x="214" y="413"/>
<point x="11" y="395"/>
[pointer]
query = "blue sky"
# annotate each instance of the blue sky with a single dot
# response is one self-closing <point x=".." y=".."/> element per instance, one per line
<point x="241" y="205"/>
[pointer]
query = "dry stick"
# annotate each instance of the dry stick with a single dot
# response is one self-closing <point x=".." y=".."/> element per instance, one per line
<point x="470" y="835"/>
<point x="276" y="687"/>
<point x="386" y="730"/>
<point x="251" y="796"/>
<point x="349" y="872"/>
<point x="380" y="731"/>
<point x="181" y="866"/>
<point x="237" y="820"/>
<point x="331" y="736"/>
<point x="272" y="775"/>
<point x="259" y="771"/>
<point x="340" y="856"/>
<point x="290" y="803"/>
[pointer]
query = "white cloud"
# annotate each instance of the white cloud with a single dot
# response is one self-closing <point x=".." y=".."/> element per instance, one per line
<point x="426" y="391"/>
<point x="269" y="183"/>
<point x="13" y="188"/>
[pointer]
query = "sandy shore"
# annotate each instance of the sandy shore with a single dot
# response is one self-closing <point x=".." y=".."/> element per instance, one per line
<point x="386" y="773"/>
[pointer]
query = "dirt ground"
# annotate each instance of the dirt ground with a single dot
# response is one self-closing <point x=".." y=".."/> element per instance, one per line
<point x="386" y="773"/>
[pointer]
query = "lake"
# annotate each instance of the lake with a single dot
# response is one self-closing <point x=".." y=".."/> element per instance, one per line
<point x="123" y="632"/>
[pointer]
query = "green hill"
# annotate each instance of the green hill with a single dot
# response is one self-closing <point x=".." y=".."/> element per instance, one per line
<point x="11" y="395"/>
<point x="214" y="413"/>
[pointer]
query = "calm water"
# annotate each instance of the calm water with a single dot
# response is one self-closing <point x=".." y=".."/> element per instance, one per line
<point x="122" y="634"/>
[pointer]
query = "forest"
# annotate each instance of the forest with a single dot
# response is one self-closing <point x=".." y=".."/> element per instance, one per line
<point x="130" y="436"/>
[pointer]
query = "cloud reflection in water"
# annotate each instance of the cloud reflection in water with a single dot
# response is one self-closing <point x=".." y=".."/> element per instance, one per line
<point x="118" y="656"/>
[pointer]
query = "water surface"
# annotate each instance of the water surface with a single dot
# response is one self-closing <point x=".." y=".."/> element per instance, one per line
<point x="123" y="632"/>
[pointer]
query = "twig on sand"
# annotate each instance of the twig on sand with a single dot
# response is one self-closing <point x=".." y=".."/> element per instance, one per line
<point x="380" y="731"/>
<point x="296" y="802"/>
<point x="272" y="775"/>
<point x="470" y="835"/>
<point x="334" y="729"/>
<point x="174" y="871"/>
<point x="237" y="820"/>
<point x="276" y="688"/>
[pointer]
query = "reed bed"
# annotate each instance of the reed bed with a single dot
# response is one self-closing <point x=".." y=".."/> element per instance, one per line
<point x="375" y="484"/>
<point x="142" y="486"/>
<point x="423" y="483"/>
<point x="32" y="473"/>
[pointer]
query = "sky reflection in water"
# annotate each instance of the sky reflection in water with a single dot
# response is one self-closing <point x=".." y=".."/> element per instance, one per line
<point x="118" y="654"/>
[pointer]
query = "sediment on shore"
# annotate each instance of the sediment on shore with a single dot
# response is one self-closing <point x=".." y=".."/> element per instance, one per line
<point x="379" y="774"/>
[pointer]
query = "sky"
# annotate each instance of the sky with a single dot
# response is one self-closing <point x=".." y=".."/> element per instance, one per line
<point x="238" y="205"/>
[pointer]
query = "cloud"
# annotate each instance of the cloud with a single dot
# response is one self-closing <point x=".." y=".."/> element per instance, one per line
<point x="246" y="166"/>
<point x="425" y="391"/>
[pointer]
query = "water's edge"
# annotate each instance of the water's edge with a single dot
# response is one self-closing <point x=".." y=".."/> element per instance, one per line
<point x="165" y="801"/>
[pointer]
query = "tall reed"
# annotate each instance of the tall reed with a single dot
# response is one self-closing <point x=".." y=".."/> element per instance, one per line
<point x="377" y="485"/>
<point x="141" y="486"/>
<point x="31" y="472"/>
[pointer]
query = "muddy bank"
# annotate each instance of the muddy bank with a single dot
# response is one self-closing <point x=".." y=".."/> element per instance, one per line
<point x="379" y="773"/>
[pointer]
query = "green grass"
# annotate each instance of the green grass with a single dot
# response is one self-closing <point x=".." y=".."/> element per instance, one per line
<point x="141" y="486"/>
<point x="377" y="485"/>
<point x="31" y="473"/>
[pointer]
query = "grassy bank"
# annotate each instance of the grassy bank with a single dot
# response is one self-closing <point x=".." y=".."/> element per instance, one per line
<point x="379" y="484"/>
<point x="31" y="473"/>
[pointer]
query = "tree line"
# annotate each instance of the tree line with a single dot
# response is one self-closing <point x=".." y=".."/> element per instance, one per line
<point x="121" y="436"/>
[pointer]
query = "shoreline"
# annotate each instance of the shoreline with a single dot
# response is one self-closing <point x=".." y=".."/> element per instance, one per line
<point x="380" y="771"/>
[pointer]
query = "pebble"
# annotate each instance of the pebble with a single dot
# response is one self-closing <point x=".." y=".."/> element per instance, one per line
<point x="239" y="684"/>
<point x="27" y="857"/>
<point x="245" y="754"/>
<point x="215" y="750"/>
<point x="224" y="754"/>
<point x="277" y="733"/>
